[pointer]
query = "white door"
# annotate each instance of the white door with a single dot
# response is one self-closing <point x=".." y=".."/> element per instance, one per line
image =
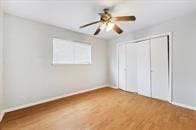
<point x="131" y="71"/>
<point x="159" y="68"/>
<point x="143" y="68"/>
<point x="122" y="67"/>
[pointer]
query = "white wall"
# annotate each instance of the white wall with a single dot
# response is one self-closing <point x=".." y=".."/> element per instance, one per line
<point x="184" y="53"/>
<point x="1" y="60"/>
<point x="113" y="64"/>
<point x="29" y="73"/>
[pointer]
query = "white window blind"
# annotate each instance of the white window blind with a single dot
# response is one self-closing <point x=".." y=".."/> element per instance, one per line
<point x="68" y="52"/>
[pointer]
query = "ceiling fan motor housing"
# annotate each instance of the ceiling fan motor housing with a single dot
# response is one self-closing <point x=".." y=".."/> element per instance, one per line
<point x="106" y="17"/>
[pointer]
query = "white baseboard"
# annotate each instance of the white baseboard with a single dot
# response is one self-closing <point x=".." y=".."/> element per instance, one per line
<point x="183" y="105"/>
<point x="1" y="115"/>
<point x="111" y="86"/>
<point x="47" y="100"/>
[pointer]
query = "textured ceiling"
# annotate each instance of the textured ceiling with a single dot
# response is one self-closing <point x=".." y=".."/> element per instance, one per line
<point x="70" y="14"/>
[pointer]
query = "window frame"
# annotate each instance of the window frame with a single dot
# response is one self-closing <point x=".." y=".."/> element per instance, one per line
<point x="74" y="42"/>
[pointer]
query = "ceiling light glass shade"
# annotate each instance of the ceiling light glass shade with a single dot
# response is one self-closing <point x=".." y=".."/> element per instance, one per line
<point x="109" y="26"/>
<point x="103" y="26"/>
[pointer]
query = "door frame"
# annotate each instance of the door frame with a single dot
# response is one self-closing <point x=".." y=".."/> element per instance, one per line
<point x="170" y="47"/>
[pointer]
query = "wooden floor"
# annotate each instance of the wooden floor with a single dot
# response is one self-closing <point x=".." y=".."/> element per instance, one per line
<point x="103" y="109"/>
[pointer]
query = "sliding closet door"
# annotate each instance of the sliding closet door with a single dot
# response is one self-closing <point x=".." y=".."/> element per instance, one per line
<point x="122" y="67"/>
<point x="143" y="68"/>
<point x="159" y="68"/>
<point x="131" y="71"/>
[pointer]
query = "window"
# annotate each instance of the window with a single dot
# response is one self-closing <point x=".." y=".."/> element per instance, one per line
<point x="69" y="52"/>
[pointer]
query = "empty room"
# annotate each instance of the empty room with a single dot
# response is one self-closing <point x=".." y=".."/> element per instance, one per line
<point x="97" y="64"/>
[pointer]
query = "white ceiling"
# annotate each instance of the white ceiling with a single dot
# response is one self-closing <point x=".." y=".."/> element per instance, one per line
<point x="71" y="14"/>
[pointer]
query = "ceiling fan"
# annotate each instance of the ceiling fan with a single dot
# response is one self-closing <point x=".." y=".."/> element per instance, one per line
<point x="107" y="22"/>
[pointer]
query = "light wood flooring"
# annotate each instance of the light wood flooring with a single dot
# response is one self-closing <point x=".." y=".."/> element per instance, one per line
<point x="102" y="109"/>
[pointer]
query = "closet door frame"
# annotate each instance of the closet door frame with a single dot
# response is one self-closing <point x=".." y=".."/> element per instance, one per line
<point x="170" y="47"/>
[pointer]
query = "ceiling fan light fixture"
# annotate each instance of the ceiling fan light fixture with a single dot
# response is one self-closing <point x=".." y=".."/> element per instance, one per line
<point x="103" y="26"/>
<point x="109" y="26"/>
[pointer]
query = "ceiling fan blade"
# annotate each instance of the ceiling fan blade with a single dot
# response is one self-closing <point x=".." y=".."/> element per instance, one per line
<point x="124" y="18"/>
<point x="97" y="31"/>
<point x="101" y="14"/>
<point x="89" y="24"/>
<point x="117" y="29"/>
